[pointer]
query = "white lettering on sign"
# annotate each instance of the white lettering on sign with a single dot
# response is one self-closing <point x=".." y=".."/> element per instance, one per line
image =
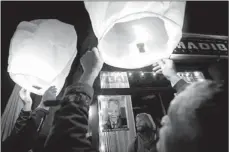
<point x="191" y="45"/>
<point x="213" y="46"/>
<point x="221" y="47"/>
<point x="181" y="45"/>
<point x="111" y="79"/>
<point x="119" y="79"/>
<point x="204" y="46"/>
<point x="115" y="79"/>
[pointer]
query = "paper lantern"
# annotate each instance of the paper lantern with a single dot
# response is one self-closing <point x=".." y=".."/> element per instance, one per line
<point x="135" y="34"/>
<point x="41" y="53"/>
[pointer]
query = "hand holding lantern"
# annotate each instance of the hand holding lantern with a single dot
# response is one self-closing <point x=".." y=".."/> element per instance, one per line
<point x="26" y="98"/>
<point x="49" y="95"/>
<point x="92" y="64"/>
<point x="168" y="69"/>
<point x="92" y="61"/>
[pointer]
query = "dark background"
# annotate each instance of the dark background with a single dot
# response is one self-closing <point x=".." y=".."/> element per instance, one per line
<point x="207" y="17"/>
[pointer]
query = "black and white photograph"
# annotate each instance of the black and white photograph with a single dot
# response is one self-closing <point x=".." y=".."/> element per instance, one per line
<point x="114" y="76"/>
<point x="112" y="110"/>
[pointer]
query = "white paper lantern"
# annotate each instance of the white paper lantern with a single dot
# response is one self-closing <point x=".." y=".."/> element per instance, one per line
<point x="41" y="54"/>
<point x="135" y="34"/>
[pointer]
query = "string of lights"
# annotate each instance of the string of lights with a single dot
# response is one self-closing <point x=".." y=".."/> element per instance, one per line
<point x="188" y="76"/>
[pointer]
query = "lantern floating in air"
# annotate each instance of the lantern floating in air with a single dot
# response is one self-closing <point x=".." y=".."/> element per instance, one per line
<point x="135" y="34"/>
<point x="41" y="54"/>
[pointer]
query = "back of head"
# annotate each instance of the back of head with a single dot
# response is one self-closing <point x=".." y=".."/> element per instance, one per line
<point x="198" y="118"/>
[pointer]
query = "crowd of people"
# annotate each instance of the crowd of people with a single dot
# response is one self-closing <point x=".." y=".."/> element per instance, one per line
<point x="196" y="120"/>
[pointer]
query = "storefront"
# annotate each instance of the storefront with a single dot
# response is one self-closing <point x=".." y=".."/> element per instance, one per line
<point x="197" y="57"/>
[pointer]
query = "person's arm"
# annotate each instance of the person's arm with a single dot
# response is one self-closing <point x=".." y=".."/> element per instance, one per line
<point x="177" y="83"/>
<point x="39" y="114"/>
<point x="25" y="132"/>
<point x="168" y="69"/>
<point x="21" y="121"/>
<point x="70" y="124"/>
<point x="24" y="115"/>
<point x="180" y="86"/>
<point x="34" y="118"/>
<point x="12" y="142"/>
<point x="27" y="126"/>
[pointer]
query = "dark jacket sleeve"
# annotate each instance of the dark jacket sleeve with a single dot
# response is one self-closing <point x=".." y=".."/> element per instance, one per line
<point x="21" y="122"/>
<point x="70" y="125"/>
<point x="25" y="132"/>
<point x="180" y="86"/>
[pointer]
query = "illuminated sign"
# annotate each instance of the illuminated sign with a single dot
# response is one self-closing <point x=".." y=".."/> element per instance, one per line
<point x="114" y="80"/>
<point x="191" y="76"/>
<point x="202" y="45"/>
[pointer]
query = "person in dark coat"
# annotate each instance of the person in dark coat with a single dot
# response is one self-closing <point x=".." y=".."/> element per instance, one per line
<point x="197" y="119"/>
<point x="26" y="130"/>
<point x="70" y="125"/>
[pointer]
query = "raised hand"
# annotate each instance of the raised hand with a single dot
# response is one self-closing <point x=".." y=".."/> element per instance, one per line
<point x="165" y="67"/>
<point x="92" y="64"/>
<point x="26" y="98"/>
<point x="92" y="61"/>
<point x="49" y="95"/>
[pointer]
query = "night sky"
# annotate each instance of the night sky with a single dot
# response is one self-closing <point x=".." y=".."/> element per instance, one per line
<point x="206" y="17"/>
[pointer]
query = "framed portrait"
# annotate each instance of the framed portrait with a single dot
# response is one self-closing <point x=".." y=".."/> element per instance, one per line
<point x="112" y="113"/>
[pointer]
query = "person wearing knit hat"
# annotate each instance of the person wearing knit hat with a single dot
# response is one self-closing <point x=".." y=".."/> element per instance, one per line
<point x="145" y="140"/>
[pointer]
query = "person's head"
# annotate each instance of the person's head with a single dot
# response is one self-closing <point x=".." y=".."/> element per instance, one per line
<point x="196" y="120"/>
<point x="113" y="110"/>
<point x="144" y="123"/>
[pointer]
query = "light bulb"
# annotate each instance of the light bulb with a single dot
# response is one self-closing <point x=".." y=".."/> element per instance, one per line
<point x="153" y="73"/>
<point x="196" y="73"/>
<point x="142" y="73"/>
<point x="187" y="74"/>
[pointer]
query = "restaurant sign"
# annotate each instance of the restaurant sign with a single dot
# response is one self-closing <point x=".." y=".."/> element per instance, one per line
<point x="196" y="44"/>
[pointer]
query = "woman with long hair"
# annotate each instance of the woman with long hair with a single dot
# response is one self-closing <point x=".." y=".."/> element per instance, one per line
<point x="145" y="140"/>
